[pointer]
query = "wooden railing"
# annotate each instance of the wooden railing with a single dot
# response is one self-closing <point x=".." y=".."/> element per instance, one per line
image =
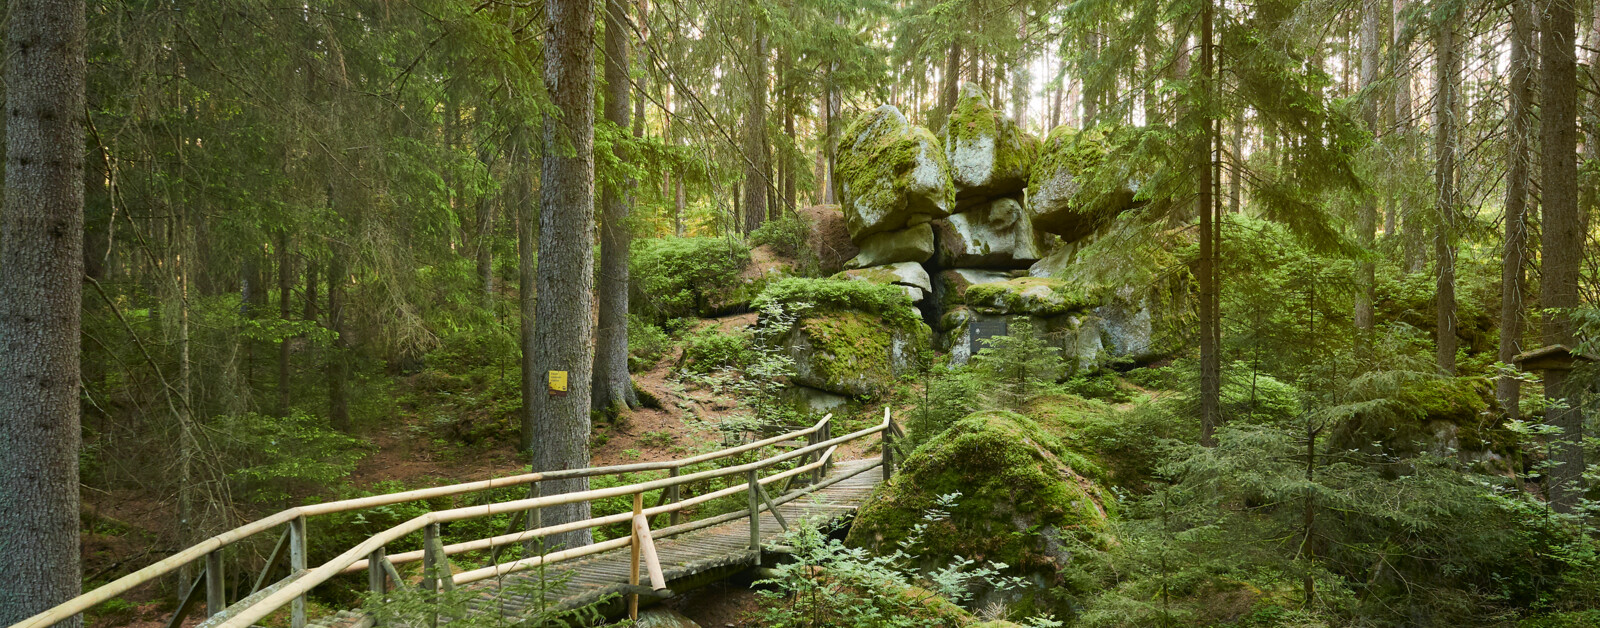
<point x="370" y="555"/>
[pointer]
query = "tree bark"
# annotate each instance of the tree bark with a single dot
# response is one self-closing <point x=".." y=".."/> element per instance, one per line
<point x="612" y="387"/>
<point x="1409" y="223"/>
<point x="950" y="84"/>
<point x="1210" y="340"/>
<point x="285" y="284"/>
<point x="41" y="288"/>
<point x="1561" y="238"/>
<point x="755" y="131"/>
<point x="338" y="354"/>
<point x="1367" y="216"/>
<point x="522" y="169"/>
<point x="1513" y="268"/>
<point x="1447" y="70"/>
<point x="563" y="324"/>
<point x="485" y="246"/>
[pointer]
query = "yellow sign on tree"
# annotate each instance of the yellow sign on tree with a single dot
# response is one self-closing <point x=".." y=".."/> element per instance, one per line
<point x="558" y="383"/>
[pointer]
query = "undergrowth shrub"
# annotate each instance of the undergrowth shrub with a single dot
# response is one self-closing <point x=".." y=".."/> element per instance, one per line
<point x="684" y="277"/>
<point x="710" y="350"/>
<point x="647" y="344"/>
<point x="785" y="234"/>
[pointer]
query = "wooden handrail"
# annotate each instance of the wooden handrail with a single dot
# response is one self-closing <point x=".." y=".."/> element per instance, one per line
<point x="81" y="603"/>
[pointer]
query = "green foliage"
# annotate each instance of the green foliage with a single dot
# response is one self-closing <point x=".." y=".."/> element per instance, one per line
<point x="685" y="277"/>
<point x="827" y="295"/>
<point x="786" y="234"/>
<point x="1020" y="364"/>
<point x="525" y="599"/>
<point x="647" y="344"/>
<point x="710" y="350"/>
<point x="269" y="459"/>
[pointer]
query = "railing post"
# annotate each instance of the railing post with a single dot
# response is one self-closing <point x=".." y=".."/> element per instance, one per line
<point x="755" y="514"/>
<point x="673" y="497"/>
<point x="297" y="564"/>
<point x="888" y="450"/>
<point x="827" y="435"/>
<point x="430" y="572"/>
<point x="633" y="561"/>
<point x="216" y="596"/>
<point x="377" y="577"/>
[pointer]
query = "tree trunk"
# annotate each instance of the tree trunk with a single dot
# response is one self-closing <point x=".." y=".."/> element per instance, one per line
<point x="339" y="352"/>
<point x="1210" y="341"/>
<point x="285" y="283"/>
<point x="1091" y="97"/>
<point x="950" y="85"/>
<point x="1447" y="72"/>
<point x="563" y="323"/>
<point x="41" y="278"/>
<point x="1513" y="269"/>
<point x="1561" y="238"/>
<point x="755" y="132"/>
<point x="1410" y="223"/>
<point x="612" y="388"/>
<point x="1022" y="76"/>
<point x="1367" y="216"/>
<point x="485" y="248"/>
<point x="527" y="216"/>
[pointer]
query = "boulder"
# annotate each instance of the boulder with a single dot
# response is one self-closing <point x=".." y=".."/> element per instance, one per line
<point x="912" y="244"/>
<point x="950" y="285"/>
<point x="1023" y="498"/>
<point x="813" y="401"/>
<point x="989" y="156"/>
<point x="1033" y="296"/>
<point x="890" y="174"/>
<point x="853" y="338"/>
<point x="1057" y="194"/>
<point x="663" y="618"/>
<point x="909" y="276"/>
<point x="997" y="234"/>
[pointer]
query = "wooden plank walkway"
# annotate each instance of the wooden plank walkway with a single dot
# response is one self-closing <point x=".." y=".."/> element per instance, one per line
<point x="688" y="560"/>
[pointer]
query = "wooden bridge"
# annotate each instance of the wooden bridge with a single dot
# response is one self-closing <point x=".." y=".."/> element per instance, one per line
<point x="644" y="563"/>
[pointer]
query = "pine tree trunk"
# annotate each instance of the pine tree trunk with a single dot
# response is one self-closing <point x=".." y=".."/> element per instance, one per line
<point x="1022" y="76"/>
<point x="755" y="132"/>
<point x="522" y="199"/>
<point x="1411" y="224"/>
<point x="1513" y="269"/>
<point x="338" y="353"/>
<point x="1447" y="72"/>
<point x="950" y="85"/>
<point x="1210" y="342"/>
<point x="1561" y="239"/>
<point x="285" y="283"/>
<point x="41" y="289"/>
<point x="563" y="325"/>
<point x="1367" y="216"/>
<point x="485" y="248"/>
<point x="612" y="388"/>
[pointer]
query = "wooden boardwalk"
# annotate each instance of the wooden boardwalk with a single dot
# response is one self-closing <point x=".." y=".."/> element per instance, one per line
<point x="688" y="560"/>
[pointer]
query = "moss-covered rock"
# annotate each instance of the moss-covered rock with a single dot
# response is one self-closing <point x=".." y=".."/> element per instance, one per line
<point x="1033" y="296"/>
<point x="997" y="234"/>
<point x="912" y="244"/>
<point x="851" y="338"/>
<point x="891" y="174"/>
<point x="1057" y="195"/>
<point x="1026" y="499"/>
<point x="909" y="276"/>
<point x="988" y="155"/>
<point x="1437" y="414"/>
<point x="950" y="286"/>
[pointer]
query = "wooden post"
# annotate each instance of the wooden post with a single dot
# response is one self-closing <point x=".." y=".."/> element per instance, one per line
<point x="430" y="572"/>
<point x="647" y="548"/>
<point x="535" y="521"/>
<point x="297" y="564"/>
<point x="216" y="596"/>
<point x="888" y="448"/>
<point x="376" y="576"/>
<point x="755" y="514"/>
<point x="673" y="496"/>
<point x="827" y="435"/>
<point x="633" y="562"/>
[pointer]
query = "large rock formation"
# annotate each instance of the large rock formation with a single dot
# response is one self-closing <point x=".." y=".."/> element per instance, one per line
<point x="989" y="156"/>
<point x="1025" y="499"/>
<point x="912" y="244"/>
<point x="1056" y="185"/>
<point x="891" y="174"/>
<point x="851" y="338"/>
<point x="996" y="234"/>
<point x="908" y="276"/>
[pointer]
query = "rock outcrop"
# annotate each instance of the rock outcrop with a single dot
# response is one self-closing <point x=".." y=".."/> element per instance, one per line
<point x="912" y="244"/>
<point x="1057" y="182"/>
<point x="908" y="276"/>
<point x="989" y="156"/>
<point x="891" y="174"/>
<point x="995" y="234"/>
<point x="849" y="338"/>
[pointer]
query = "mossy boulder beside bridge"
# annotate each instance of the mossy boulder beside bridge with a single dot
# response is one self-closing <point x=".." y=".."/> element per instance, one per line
<point x="852" y="338"/>
<point x="891" y="174"/>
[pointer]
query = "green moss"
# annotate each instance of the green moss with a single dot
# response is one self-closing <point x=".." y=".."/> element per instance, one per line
<point x="887" y="301"/>
<point x="686" y="277"/>
<point x="973" y="118"/>
<point x="1038" y="296"/>
<point x="876" y="157"/>
<point x="1019" y="484"/>
<point x="849" y="345"/>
